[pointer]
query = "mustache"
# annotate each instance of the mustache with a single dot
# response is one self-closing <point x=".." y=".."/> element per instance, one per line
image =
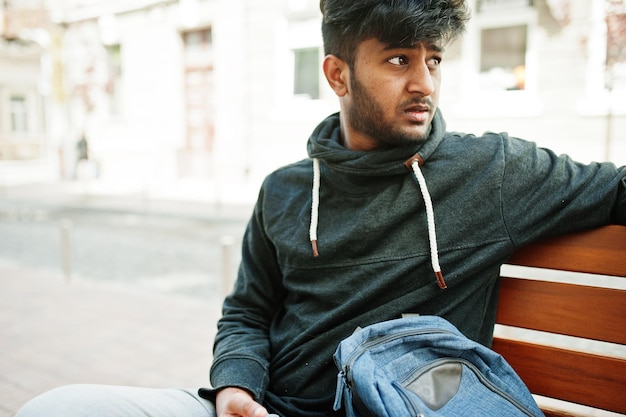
<point x="418" y="101"/>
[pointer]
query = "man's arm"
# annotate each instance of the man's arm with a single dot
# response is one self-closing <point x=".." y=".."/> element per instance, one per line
<point x="544" y="194"/>
<point x="242" y="347"/>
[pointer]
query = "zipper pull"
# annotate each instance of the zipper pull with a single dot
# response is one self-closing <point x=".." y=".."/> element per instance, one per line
<point x="341" y="385"/>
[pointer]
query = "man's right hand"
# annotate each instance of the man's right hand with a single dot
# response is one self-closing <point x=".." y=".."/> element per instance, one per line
<point x="235" y="402"/>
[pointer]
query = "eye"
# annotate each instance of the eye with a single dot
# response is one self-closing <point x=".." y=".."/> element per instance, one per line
<point x="398" y="60"/>
<point x="434" y="62"/>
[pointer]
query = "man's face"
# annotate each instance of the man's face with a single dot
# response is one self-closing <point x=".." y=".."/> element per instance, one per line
<point x="392" y="96"/>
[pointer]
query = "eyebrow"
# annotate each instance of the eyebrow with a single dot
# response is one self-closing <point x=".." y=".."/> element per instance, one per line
<point x="434" y="47"/>
<point x="431" y="46"/>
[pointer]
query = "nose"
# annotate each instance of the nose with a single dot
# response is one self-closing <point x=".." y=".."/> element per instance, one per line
<point x="421" y="80"/>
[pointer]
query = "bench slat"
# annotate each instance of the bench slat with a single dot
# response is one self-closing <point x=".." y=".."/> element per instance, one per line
<point x="569" y="309"/>
<point x="599" y="251"/>
<point x="559" y="413"/>
<point x="577" y="377"/>
<point x="575" y="310"/>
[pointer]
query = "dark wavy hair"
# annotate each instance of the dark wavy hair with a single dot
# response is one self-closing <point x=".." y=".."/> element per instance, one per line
<point x="400" y="23"/>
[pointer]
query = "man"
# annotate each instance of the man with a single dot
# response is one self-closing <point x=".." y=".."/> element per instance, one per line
<point x="390" y="215"/>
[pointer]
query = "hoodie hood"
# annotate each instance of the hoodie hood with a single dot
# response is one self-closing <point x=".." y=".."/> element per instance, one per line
<point x="324" y="146"/>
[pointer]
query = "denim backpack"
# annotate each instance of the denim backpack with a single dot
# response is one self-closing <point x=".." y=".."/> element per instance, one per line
<point x="423" y="366"/>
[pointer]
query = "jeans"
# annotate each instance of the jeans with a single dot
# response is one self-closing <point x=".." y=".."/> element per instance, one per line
<point x="117" y="401"/>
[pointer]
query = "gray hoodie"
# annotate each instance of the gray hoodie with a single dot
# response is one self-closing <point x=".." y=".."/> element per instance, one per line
<point x="377" y="254"/>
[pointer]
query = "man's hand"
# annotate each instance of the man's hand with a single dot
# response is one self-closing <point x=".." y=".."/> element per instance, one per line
<point x="235" y="402"/>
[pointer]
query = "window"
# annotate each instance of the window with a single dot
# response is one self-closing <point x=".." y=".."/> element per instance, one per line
<point x="304" y="46"/>
<point x="503" y="30"/>
<point x="198" y="48"/>
<point x="503" y="58"/>
<point x="606" y="66"/>
<point x="19" y="114"/>
<point x="498" y="65"/>
<point x="114" y="82"/>
<point x="199" y="90"/>
<point x="616" y="45"/>
<point x="306" y="73"/>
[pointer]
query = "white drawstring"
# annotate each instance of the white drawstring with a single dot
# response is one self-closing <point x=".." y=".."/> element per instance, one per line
<point x="315" y="204"/>
<point x="430" y="215"/>
<point x="414" y="165"/>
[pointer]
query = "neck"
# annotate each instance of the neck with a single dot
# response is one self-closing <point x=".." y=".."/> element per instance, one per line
<point x="353" y="140"/>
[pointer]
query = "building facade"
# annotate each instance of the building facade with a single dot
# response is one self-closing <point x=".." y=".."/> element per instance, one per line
<point x="24" y="141"/>
<point x="538" y="69"/>
<point x="223" y="91"/>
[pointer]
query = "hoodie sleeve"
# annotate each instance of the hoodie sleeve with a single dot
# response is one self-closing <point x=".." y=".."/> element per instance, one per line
<point x="242" y="348"/>
<point x="618" y="216"/>
<point x="544" y="194"/>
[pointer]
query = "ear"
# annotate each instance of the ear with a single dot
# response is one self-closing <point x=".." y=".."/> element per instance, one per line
<point x="337" y="74"/>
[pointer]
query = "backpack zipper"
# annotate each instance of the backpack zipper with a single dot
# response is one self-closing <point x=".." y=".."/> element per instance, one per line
<point x="414" y="408"/>
<point x="344" y="377"/>
<point x="493" y="387"/>
<point x="347" y="368"/>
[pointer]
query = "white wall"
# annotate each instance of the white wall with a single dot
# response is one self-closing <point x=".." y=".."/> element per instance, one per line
<point x="558" y="111"/>
<point x="260" y="125"/>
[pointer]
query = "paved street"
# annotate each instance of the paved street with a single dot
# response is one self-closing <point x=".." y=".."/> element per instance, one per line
<point x="138" y="303"/>
<point x="164" y="253"/>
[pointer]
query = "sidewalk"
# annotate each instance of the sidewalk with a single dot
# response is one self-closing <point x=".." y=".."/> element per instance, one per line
<point x="54" y="333"/>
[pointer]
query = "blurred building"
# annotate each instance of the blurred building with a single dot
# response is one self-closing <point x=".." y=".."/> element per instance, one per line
<point x="25" y="154"/>
<point x="223" y="91"/>
<point x="544" y="70"/>
<point x="192" y="90"/>
<point x="217" y="90"/>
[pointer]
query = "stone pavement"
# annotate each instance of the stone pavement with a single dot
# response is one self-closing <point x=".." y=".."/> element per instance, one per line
<point x="54" y="332"/>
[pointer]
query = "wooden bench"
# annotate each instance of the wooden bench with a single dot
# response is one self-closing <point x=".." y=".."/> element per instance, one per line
<point x="596" y="313"/>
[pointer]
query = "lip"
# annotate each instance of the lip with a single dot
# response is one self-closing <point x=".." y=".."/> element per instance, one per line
<point x="418" y="114"/>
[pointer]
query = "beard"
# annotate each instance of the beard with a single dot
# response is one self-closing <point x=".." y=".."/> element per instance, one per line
<point x="367" y="116"/>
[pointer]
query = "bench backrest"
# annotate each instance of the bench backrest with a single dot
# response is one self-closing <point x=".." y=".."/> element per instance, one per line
<point x="582" y="311"/>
